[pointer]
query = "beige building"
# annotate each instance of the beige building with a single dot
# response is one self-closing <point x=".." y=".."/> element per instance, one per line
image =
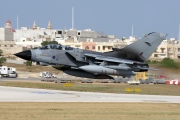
<point x="9" y="48"/>
<point x="104" y="46"/>
<point x="94" y="46"/>
<point x="168" y="48"/>
<point x="173" y="49"/>
<point x="160" y="52"/>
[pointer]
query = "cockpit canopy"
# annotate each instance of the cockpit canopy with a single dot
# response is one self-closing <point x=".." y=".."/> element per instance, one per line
<point x="56" y="46"/>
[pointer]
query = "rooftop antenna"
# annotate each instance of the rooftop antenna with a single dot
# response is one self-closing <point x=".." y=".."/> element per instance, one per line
<point x="132" y="31"/>
<point x="72" y="17"/>
<point x="179" y="31"/>
<point x="17" y="22"/>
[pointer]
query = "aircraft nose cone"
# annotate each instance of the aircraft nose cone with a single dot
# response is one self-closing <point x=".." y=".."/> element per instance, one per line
<point x="24" y="55"/>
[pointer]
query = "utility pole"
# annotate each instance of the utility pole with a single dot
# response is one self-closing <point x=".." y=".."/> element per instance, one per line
<point x="72" y="17"/>
<point x="132" y="31"/>
<point x="179" y="31"/>
<point x="17" y="22"/>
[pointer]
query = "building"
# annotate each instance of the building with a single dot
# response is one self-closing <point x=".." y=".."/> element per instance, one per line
<point x="9" y="47"/>
<point x="173" y="49"/>
<point x="84" y="39"/>
<point x="36" y="34"/>
<point x="7" y="33"/>
<point x="7" y="43"/>
<point x="27" y="38"/>
<point x="161" y="51"/>
<point x="168" y="48"/>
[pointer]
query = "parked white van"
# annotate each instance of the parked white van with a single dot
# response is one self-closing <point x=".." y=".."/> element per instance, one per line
<point x="8" y="71"/>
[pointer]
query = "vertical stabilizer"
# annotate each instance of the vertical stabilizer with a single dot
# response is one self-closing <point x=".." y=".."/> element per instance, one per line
<point x="144" y="47"/>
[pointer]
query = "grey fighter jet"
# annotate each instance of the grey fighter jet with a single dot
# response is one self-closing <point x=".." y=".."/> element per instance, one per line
<point x="124" y="62"/>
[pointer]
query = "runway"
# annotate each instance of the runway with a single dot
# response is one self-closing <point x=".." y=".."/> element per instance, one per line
<point x="16" y="94"/>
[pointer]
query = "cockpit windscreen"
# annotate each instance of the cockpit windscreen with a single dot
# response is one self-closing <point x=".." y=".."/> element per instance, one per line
<point x="56" y="46"/>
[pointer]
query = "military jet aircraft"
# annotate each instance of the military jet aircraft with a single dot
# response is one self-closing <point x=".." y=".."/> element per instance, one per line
<point x="89" y="64"/>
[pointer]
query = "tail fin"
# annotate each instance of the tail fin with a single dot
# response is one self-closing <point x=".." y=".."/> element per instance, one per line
<point x="144" y="47"/>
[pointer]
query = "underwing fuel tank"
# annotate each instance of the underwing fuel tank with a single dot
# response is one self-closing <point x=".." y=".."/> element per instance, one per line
<point x="81" y="73"/>
<point x="96" y="69"/>
<point x="119" y="67"/>
<point x="42" y="63"/>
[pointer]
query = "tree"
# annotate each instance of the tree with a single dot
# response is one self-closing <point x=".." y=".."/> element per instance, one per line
<point x="44" y="43"/>
<point x="53" y="42"/>
<point x="28" y="65"/>
<point x="1" y="52"/>
<point x="48" y="42"/>
<point x="169" y="63"/>
<point x="35" y="48"/>
<point x="2" y="60"/>
<point x="123" y="38"/>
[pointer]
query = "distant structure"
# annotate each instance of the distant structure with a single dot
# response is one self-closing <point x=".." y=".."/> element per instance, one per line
<point x="6" y="34"/>
<point x="32" y="37"/>
<point x="34" y="26"/>
<point x="8" y="24"/>
<point x="49" y="26"/>
<point x="7" y="43"/>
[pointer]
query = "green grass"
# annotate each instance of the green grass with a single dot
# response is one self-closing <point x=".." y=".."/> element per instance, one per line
<point x="100" y="87"/>
<point x="89" y="111"/>
<point x="166" y="63"/>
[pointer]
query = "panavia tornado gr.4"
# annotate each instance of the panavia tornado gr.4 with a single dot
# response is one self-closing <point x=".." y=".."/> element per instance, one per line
<point x="124" y="62"/>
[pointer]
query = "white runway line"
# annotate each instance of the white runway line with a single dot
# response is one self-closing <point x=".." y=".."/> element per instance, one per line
<point x="17" y="94"/>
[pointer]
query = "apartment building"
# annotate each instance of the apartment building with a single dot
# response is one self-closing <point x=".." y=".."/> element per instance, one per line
<point x="168" y="48"/>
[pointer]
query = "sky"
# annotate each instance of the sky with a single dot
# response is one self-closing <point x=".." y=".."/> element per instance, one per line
<point x="111" y="17"/>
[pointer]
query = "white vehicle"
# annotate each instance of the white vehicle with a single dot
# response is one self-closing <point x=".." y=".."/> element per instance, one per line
<point x="8" y="71"/>
<point x="46" y="74"/>
<point x="133" y="82"/>
<point x="12" y="74"/>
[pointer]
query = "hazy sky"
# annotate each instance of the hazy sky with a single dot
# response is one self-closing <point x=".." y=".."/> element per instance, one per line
<point x="108" y="16"/>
